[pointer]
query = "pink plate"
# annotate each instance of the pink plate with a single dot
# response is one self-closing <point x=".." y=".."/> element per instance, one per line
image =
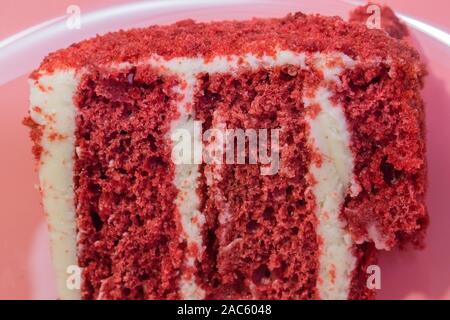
<point x="25" y="264"/>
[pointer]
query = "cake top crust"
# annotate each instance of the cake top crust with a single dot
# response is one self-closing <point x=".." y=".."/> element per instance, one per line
<point x="297" y="32"/>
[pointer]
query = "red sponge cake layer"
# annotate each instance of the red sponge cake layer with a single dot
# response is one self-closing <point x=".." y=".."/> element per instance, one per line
<point x="126" y="215"/>
<point x="386" y="108"/>
<point x="255" y="222"/>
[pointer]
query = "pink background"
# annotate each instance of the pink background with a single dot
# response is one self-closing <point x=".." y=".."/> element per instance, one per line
<point x="23" y="247"/>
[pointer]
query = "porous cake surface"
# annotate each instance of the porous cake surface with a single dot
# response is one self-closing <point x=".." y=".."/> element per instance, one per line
<point x="147" y="193"/>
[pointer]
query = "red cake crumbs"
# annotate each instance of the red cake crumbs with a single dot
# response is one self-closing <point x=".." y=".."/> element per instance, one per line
<point x="35" y="135"/>
<point x="313" y="110"/>
<point x="56" y="136"/>
<point x="127" y="219"/>
<point x="258" y="36"/>
<point x="44" y="88"/>
<point x="37" y="109"/>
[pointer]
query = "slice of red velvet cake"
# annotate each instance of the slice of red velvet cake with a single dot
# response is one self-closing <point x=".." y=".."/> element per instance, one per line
<point x="262" y="159"/>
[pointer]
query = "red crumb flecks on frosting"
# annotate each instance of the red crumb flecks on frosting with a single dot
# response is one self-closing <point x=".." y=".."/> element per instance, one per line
<point x="128" y="230"/>
<point x="56" y="136"/>
<point x="36" y="132"/>
<point x="389" y="21"/>
<point x="297" y="32"/>
<point x="44" y="88"/>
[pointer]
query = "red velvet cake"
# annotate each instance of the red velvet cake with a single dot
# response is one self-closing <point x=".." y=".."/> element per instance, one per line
<point x="260" y="159"/>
